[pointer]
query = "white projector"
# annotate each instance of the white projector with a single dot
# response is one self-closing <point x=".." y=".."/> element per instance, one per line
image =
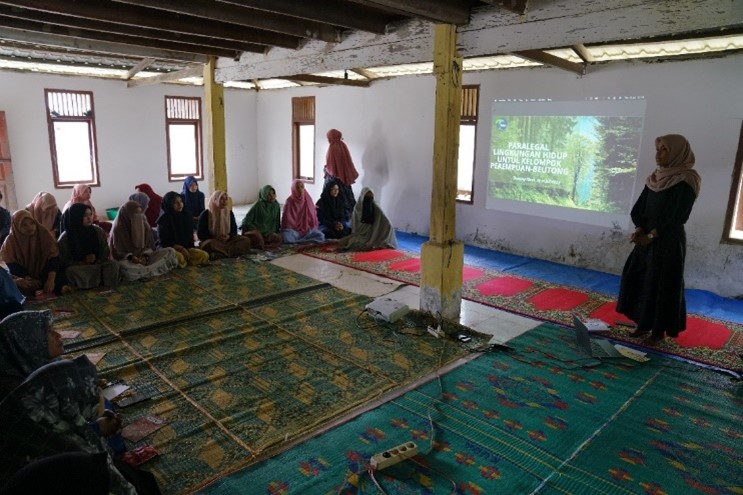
<point x="387" y="309"/>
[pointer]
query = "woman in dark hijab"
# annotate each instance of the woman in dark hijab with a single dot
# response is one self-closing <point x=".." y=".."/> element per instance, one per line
<point x="175" y="229"/>
<point x="194" y="200"/>
<point x="334" y="220"/>
<point x="371" y="229"/>
<point x="84" y="252"/>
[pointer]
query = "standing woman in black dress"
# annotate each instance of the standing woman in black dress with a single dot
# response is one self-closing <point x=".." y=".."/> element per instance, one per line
<point x="651" y="292"/>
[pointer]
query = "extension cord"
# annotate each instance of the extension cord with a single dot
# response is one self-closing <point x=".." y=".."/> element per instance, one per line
<point x="436" y="332"/>
<point x="394" y="455"/>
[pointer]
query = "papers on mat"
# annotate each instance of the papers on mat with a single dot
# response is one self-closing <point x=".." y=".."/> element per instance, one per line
<point x="94" y="357"/>
<point x="114" y="391"/>
<point x="633" y="354"/>
<point x="69" y="334"/>
<point x="596" y="325"/>
<point x="140" y="428"/>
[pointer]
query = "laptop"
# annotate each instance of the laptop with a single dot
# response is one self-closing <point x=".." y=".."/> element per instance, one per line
<point x="597" y="348"/>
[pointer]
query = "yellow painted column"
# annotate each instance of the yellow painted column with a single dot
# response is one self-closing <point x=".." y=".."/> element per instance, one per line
<point x="215" y="129"/>
<point x="442" y="257"/>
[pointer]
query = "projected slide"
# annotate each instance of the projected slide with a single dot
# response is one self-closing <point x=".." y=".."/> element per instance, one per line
<point x="581" y="155"/>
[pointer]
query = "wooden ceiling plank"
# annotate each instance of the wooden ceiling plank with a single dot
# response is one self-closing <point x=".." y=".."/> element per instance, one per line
<point x="326" y="80"/>
<point x="549" y="59"/>
<point x="333" y="12"/>
<point x="80" y="44"/>
<point x="450" y="12"/>
<point x="515" y="6"/>
<point x="99" y="36"/>
<point x="492" y="32"/>
<point x="141" y="17"/>
<point x="169" y="77"/>
<point x="581" y="50"/>
<point x="141" y="65"/>
<point x="108" y="31"/>
<point x="242" y="16"/>
<point x="365" y="73"/>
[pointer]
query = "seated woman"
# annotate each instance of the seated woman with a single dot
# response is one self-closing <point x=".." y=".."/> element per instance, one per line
<point x="371" y="229"/>
<point x="45" y="210"/>
<point x="263" y="220"/>
<point x="331" y="213"/>
<point x="193" y="198"/>
<point x="133" y="245"/>
<point x="153" y="207"/>
<point x="32" y="256"/>
<point x="175" y="230"/>
<point x="81" y="194"/>
<point x="50" y="412"/>
<point x="217" y="229"/>
<point x="299" y="219"/>
<point x="84" y="252"/>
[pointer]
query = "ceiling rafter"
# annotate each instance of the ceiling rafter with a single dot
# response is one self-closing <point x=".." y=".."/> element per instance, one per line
<point x="141" y="17"/>
<point x="549" y="59"/>
<point x="444" y="11"/>
<point x="169" y="77"/>
<point x="234" y="14"/>
<point x="516" y="6"/>
<point x="326" y="80"/>
<point x="141" y="65"/>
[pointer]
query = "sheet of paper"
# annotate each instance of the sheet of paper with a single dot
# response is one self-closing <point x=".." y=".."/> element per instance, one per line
<point x="115" y="390"/>
<point x="633" y="354"/>
<point x="69" y="334"/>
<point x="94" y="357"/>
<point x="596" y="325"/>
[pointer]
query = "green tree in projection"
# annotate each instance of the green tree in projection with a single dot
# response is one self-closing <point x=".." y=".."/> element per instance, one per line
<point x="513" y="177"/>
<point x="620" y="138"/>
<point x="581" y="158"/>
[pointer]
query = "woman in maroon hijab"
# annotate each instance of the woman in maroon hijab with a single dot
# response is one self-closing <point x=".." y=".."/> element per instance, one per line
<point x="153" y="208"/>
<point x="339" y="166"/>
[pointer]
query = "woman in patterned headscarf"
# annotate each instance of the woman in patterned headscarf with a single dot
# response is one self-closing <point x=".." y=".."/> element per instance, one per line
<point x="217" y="229"/>
<point x="299" y="220"/>
<point x="45" y="210"/>
<point x="651" y="291"/>
<point x="84" y="251"/>
<point x="264" y="220"/>
<point x="133" y="245"/>
<point x="32" y="256"/>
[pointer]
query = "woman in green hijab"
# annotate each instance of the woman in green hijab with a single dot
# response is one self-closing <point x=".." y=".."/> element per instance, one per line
<point x="263" y="220"/>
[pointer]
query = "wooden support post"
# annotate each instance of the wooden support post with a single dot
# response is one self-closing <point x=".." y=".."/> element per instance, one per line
<point x="442" y="257"/>
<point x="216" y="148"/>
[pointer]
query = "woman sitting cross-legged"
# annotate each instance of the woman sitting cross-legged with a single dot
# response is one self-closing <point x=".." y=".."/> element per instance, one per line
<point x="299" y="219"/>
<point x="193" y="199"/>
<point x="175" y="229"/>
<point x="371" y="229"/>
<point x="84" y="252"/>
<point x="133" y="245"/>
<point x="263" y="220"/>
<point x="331" y="212"/>
<point x="32" y="256"/>
<point x="217" y="229"/>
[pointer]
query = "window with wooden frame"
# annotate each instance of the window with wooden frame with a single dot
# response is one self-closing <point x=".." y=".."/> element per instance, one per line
<point x="183" y="137"/>
<point x="467" y="143"/>
<point x="733" y="232"/>
<point x="71" y="120"/>
<point x="303" y="138"/>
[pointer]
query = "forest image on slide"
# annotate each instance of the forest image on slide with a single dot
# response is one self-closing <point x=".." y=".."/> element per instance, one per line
<point x="586" y="162"/>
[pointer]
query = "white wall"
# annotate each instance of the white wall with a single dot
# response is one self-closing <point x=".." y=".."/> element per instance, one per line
<point x="389" y="130"/>
<point x="130" y="129"/>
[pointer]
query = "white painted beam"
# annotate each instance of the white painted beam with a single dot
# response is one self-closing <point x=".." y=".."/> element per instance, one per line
<point x="547" y="24"/>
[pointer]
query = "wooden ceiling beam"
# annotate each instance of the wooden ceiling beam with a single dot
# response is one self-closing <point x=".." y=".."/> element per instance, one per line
<point x="515" y="6"/>
<point x="326" y="80"/>
<point x="583" y="53"/>
<point x="141" y="65"/>
<point x="549" y="59"/>
<point x="141" y="17"/>
<point x="450" y="12"/>
<point x="242" y="16"/>
<point x="169" y="77"/>
<point x="119" y="39"/>
<point x="365" y="73"/>
<point x="108" y="31"/>
<point x="333" y="12"/>
<point x="98" y="47"/>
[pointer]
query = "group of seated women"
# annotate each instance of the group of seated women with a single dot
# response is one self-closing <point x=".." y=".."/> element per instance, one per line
<point x="49" y="250"/>
<point x="57" y="425"/>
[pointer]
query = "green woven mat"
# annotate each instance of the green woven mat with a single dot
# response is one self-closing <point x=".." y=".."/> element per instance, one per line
<point x="240" y="358"/>
<point x="531" y="421"/>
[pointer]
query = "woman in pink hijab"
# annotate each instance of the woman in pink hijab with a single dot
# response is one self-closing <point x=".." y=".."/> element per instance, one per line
<point x="339" y="165"/>
<point x="299" y="220"/>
